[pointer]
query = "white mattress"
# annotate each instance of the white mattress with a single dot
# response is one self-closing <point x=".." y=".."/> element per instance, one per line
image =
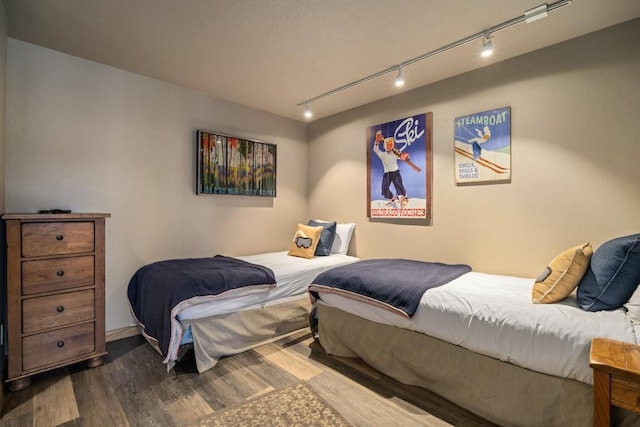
<point x="493" y="315"/>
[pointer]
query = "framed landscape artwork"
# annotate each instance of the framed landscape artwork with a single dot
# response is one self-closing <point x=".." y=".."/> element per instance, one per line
<point x="482" y="147"/>
<point x="399" y="168"/>
<point x="230" y="165"/>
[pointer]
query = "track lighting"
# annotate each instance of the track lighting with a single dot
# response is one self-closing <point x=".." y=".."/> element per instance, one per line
<point x="529" y="16"/>
<point x="487" y="46"/>
<point x="536" y="13"/>
<point x="399" y="78"/>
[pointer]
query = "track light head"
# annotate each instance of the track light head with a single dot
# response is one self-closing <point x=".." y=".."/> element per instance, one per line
<point x="487" y="46"/>
<point x="536" y="13"/>
<point x="307" y="111"/>
<point x="400" y="78"/>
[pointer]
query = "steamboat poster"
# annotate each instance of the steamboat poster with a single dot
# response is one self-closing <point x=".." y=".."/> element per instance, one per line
<point x="399" y="168"/>
<point x="482" y="146"/>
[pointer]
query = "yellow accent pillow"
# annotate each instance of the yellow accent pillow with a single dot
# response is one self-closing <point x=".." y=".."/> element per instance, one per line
<point x="562" y="275"/>
<point x="305" y="241"/>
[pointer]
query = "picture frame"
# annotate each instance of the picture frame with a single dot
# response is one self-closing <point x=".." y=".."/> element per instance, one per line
<point x="482" y="147"/>
<point x="400" y="168"/>
<point x="231" y="165"/>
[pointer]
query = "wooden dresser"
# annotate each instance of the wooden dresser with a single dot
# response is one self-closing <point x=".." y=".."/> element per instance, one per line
<point x="55" y="292"/>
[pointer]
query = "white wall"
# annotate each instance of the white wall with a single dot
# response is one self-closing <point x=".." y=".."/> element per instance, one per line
<point x="575" y="126"/>
<point x="92" y="138"/>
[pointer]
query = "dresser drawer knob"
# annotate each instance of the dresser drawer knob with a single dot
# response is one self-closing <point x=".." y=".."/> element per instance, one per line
<point x="60" y="309"/>
<point x="60" y="344"/>
<point x="59" y="237"/>
<point x="60" y="273"/>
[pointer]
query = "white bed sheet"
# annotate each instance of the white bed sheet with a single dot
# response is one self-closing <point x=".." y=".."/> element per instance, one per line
<point x="293" y="276"/>
<point x="493" y="315"/>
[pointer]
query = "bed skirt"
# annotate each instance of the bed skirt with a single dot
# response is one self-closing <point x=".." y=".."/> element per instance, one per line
<point x="225" y="335"/>
<point x="498" y="391"/>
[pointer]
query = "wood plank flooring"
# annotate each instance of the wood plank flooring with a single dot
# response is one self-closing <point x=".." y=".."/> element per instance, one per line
<point x="133" y="388"/>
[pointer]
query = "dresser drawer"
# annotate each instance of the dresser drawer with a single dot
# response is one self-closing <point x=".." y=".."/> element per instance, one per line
<point x="57" y="310"/>
<point x="57" y="274"/>
<point x="625" y="393"/>
<point x="57" y="238"/>
<point x="52" y="347"/>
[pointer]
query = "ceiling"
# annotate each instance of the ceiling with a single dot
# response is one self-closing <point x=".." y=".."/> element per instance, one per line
<point x="274" y="54"/>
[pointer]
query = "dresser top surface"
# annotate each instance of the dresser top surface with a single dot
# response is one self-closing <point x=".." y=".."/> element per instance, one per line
<point x="59" y="217"/>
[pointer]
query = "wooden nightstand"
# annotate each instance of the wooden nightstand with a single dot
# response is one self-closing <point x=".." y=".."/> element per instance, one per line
<point x="616" y="378"/>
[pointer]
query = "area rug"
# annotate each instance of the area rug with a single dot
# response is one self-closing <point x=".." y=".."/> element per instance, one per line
<point x="296" y="405"/>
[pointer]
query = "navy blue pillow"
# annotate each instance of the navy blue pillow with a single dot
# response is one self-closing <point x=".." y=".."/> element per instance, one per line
<point x="326" y="237"/>
<point x="613" y="275"/>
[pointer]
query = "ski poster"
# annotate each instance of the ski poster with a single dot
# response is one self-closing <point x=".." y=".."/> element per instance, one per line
<point x="399" y="168"/>
<point x="482" y="147"/>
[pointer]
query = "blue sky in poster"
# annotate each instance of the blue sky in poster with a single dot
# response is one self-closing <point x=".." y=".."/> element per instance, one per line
<point x="410" y="137"/>
<point x="499" y="122"/>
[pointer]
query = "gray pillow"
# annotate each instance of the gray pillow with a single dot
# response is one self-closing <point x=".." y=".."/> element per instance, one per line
<point x="326" y="237"/>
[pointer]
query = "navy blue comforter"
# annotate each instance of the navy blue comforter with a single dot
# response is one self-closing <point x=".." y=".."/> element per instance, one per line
<point x="155" y="289"/>
<point x="399" y="283"/>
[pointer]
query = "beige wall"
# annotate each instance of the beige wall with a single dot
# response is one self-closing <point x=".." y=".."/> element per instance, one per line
<point x="575" y="159"/>
<point x="3" y="89"/>
<point x="93" y="138"/>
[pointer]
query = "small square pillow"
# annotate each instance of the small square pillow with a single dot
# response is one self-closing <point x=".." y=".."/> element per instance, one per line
<point x="326" y="237"/>
<point x="613" y="275"/>
<point x="562" y="275"/>
<point x="305" y="241"/>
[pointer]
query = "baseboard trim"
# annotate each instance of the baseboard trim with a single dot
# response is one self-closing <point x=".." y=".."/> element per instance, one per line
<point x="118" y="334"/>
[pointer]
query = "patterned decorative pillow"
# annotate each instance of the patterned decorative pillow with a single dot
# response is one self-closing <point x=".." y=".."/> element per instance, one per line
<point x="326" y="237"/>
<point x="305" y="241"/>
<point x="562" y="275"/>
<point x="613" y="275"/>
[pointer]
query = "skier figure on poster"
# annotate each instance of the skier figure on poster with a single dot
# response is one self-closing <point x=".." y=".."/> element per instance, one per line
<point x="483" y="136"/>
<point x="389" y="158"/>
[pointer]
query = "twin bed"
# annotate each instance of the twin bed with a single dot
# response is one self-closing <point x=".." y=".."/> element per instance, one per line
<point x="476" y="339"/>
<point x="479" y="339"/>
<point x="220" y="306"/>
<point x="480" y="342"/>
<point x="237" y="319"/>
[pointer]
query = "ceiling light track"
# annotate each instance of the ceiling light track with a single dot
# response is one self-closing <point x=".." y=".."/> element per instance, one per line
<point x="529" y="16"/>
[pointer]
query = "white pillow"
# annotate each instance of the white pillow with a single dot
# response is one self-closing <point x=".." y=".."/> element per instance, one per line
<point x="341" y="241"/>
<point x="633" y="307"/>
